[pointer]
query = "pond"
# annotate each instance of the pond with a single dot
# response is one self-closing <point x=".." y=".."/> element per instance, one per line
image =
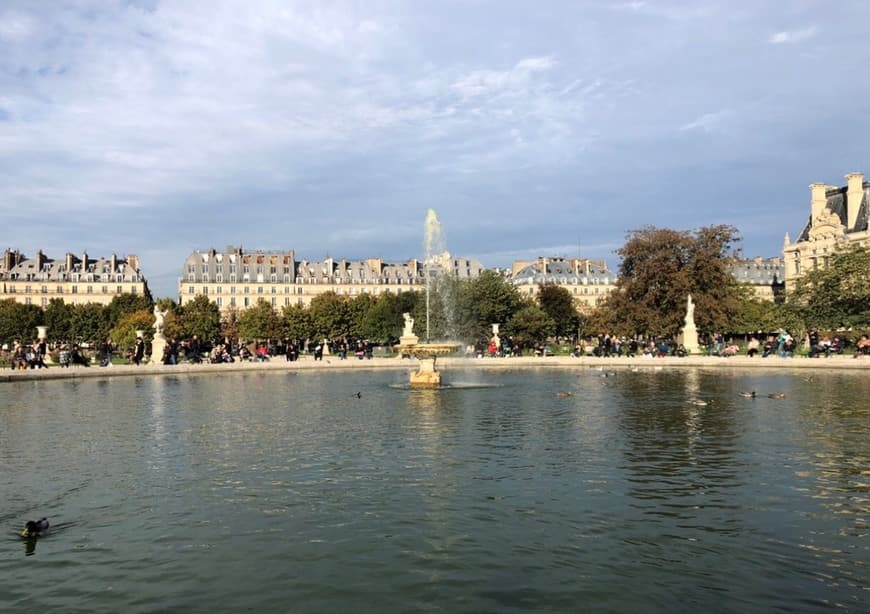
<point x="558" y="490"/>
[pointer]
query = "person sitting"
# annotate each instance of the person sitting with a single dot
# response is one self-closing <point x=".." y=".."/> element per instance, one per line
<point x="752" y="347"/>
<point x="862" y="348"/>
<point x="821" y="346"/>
<point x="730" y="350"/>
<point x="77" y="358"/>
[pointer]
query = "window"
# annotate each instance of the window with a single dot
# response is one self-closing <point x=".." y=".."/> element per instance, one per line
<point x="190" y="290"/>
<point x="220" y="290"/>
<point x="191" y="268"/>
<point x="74" y="290"/>
<point x="247" y="290"/>
<point x="259" y="289"/>
<point x="219" y="278"/>
<point x="119" y="289"/>
<point x="44" y="289"/>
<point x="44" y="302"/>
<point x="274" y="301"/>
<point x="274" y="290"/>
<point x="205" y="290"/>
<point x="247" y="302"/>
<point x="232" y="278"/>
<point x="204" y="269"/>
<point x="89" y="290"/>
<point x="233" y="301"/>
<point x="219" y="301"/>
<point x="60" y="289"/>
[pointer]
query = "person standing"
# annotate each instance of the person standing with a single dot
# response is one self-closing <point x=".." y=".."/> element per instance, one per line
<point x="139" y="351"/>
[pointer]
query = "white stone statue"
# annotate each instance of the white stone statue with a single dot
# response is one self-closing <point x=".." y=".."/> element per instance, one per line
<point x="409" y="325"/>
<point x="158" y="321"/>
<point x="690" y="311"/>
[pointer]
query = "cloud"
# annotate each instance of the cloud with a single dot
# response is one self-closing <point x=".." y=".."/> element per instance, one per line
<point x="708" y="122"/>
<point x="792" y="36"/>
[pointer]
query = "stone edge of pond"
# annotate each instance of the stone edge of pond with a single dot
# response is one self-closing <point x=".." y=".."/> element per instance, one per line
<point x="307" y="364"/>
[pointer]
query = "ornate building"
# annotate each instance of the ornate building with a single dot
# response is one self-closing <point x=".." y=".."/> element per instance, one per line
<point x="240" y="279"/>
<point x="765" y="277"/>
<point x="838" y="217"/>
<point x="588" y="281"/>
<point x="35" y="281"/>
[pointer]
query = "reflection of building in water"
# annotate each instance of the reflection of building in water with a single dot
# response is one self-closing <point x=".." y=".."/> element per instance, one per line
<point x="838" y="217"/>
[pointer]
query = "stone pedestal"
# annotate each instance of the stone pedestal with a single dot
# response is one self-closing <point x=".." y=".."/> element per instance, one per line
<point x="158" y="347"/>
<point x="427" y="375"/>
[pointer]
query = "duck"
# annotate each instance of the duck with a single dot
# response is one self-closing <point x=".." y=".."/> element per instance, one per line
<point x="35" y="528"/>
<point x="564" y="394"/>
<point x="748" y="395"/>
<point x="776" y="395"/>
<point x="700" y="402"/>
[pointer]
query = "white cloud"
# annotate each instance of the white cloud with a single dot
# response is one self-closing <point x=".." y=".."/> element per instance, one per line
<point x="792" y="36"/>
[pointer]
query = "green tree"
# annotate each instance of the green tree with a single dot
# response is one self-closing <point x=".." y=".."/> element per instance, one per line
<point x="123" y="304"/>
<point x="837" y="296"/>
<point x="259" y="322"/>
<point x="486" y="300"/>
<point x="202" y="318"/>
<point x="529" y="326"/>
<point x="330" y="316"/>
<point x="297" y="322"/>
<point x="123" y="334"/>
<point x="89" y="323"/>
<point x="755" y="315"/>
<point x="19" y="321"/>
<point x="57" y="318"/>
<point x="660" y="267"/>
<point x="383" y="321"/>
<point x="357" y="308"/>
<point x="558" y="303"/>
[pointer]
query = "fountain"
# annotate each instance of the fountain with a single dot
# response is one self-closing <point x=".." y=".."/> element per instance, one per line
<point x="427" y="375"/>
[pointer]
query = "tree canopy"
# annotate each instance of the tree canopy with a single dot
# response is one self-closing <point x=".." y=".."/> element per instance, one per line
<point x="837" y="296"/>
<point x="660" y="267"/>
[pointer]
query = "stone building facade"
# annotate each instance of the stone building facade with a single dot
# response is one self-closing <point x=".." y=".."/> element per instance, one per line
<point x="587" y="281"/>
<point x="76" y="280"/>
<point x="765" y="277"/>
<point x="838" y="218"/>
<point x="236" y="278"/>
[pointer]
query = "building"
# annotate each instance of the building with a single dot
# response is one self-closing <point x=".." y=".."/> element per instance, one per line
<point x="765" y="277"/>
<point x="838" y="217"/>
<point x="588" y="281"/>
<point x="35" y="281"/>
<point x="235" y="278"/>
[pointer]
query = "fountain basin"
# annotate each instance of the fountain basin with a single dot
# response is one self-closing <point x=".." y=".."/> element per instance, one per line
<point x="427" y="375"/>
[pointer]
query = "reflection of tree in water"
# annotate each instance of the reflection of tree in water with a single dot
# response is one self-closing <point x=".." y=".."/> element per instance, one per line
<point x="679" y="457"/>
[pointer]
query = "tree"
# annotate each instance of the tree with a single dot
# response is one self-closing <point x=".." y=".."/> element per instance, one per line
<point x="230" y="324"/>
<point x="330" y="316"/>
<point x="660" y="267"/>
<point x="124" y="332"/>
<point x="259" y="322"/>
<point x="558" y="304"/>
<point x="124" y="304"/>
<point x="837" y="296"/>
<point x="755" y="315"/>
<point x="529" y="326"/>
<point x="202" y="318"/>
<point x="173" y="326"/>
<point x="57" y="318"/>
<point x="89" y="323"/>
<point x="297" y="322"/>
<point x="489" y="299"/>
<point x="383" y="321"/>
<point x="19" y="321"/>
<point x="357" y="308"/>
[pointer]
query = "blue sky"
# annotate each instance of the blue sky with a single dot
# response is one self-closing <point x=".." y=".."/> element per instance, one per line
<point x="532" y="128"/>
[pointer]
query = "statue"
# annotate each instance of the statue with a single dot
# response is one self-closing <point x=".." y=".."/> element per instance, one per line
<point x="158" y="321"/>
<point x="690" y="311"/>
<point x="409" y="325"/>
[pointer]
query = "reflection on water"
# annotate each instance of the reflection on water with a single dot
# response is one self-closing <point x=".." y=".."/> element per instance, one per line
<point x="532" y="490"/>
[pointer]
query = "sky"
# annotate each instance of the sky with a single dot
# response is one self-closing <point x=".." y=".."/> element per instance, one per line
<point x="331" y="128"/>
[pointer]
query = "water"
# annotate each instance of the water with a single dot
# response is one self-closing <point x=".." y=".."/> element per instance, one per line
<point x="279" y="492"/>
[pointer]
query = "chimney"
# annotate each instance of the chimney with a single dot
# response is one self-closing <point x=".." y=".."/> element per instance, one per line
<point x="854" y="195"/>
<point x="84" y="262"/>
<point x="114" y="264"/>
<point x="8" y="260"/>
<point x="133" y="262"/>
<point x="40" y="260"/>
<point x="69" y="261"/>
<point x="819" y="199"/>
